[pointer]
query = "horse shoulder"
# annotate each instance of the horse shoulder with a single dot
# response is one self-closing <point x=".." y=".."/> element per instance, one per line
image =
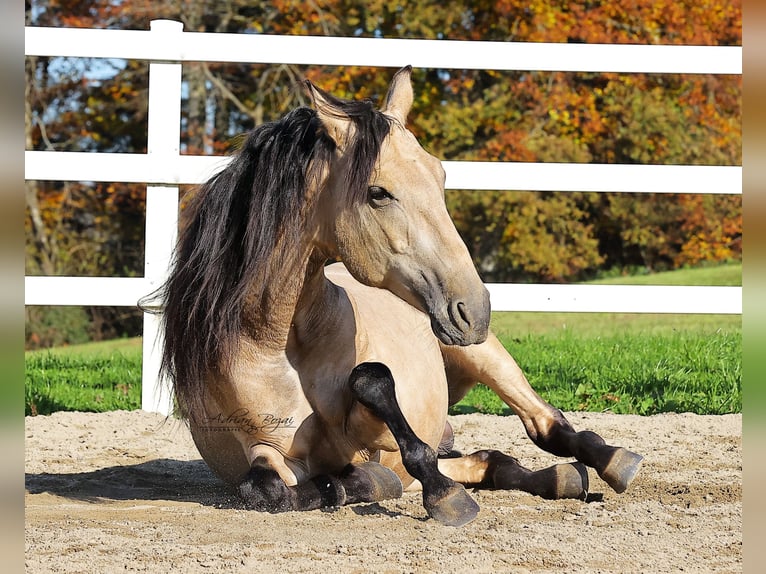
<point x="391" y="331"/>
<point x="386" y="326"/>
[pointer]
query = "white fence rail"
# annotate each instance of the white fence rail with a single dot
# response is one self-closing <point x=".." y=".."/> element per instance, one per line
<point x="162" y="168"/>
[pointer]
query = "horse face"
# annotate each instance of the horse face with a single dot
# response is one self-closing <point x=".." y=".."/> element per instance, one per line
<point x="400" y="236"/>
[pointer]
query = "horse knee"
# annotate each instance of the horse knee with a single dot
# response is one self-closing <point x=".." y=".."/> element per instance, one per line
<point x="372" y="384"/>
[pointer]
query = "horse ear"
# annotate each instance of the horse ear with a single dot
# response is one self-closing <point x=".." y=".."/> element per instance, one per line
<point x="332" y="117"/>
<point x="399" y="97"/>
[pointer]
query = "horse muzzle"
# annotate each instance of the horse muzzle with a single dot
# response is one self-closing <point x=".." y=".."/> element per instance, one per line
<point x="463" y="320"/>
<point x="459" y="314"/>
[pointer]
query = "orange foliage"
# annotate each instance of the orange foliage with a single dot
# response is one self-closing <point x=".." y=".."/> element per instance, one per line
<point x="460" y="114"/>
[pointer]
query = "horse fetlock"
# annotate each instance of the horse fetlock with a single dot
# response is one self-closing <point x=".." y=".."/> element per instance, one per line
<point x="621" y="469"/>
<point x="450" y="505"/>
<point x="616" y="465"/>
<point x="263" y="490"/>
<point x="418" y="458"/>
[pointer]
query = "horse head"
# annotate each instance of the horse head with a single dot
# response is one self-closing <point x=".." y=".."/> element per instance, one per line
<point x="392" y="230"/>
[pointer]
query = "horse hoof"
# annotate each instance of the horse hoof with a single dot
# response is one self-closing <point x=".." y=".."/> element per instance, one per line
<point x="382" y="483"/>
<point x="621" y="469"/>
<point x="455" y="508"/>
<point x="571" y="481"/>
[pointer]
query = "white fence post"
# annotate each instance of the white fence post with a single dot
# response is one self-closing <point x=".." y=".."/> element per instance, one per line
<point x="163" y="144"/>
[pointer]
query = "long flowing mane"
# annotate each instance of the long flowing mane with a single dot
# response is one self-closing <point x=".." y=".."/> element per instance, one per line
<point x="243" y="224"/>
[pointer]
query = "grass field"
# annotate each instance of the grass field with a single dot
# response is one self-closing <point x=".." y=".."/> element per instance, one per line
<point x="625" y="363"/>
<point x="726" y="274"/>
<point x="94" y="377"/>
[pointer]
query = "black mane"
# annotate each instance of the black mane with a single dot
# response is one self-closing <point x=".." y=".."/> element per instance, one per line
<point x="227" y="249"/>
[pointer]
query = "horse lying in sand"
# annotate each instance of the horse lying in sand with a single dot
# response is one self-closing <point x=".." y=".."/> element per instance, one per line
<point x="308" y="385"/>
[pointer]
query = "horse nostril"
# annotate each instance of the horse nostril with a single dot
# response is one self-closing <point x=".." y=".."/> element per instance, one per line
<point x="468" y="317"/>
<point x="462" y="313"/>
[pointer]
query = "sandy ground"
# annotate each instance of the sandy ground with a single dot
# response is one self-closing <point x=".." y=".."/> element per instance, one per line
<point x="127" y="491"/>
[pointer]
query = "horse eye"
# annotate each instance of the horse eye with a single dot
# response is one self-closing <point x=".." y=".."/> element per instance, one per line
<point x="379" y="196"/>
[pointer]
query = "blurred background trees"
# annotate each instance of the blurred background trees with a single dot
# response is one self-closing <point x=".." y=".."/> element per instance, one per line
<point x="82" y="228"/>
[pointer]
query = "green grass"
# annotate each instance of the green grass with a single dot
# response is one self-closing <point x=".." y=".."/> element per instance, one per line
<point x="726" y="274"/>
<point x="94" y="377"/>
<point x="628" y="371"/>
<point x="625" y="363"/>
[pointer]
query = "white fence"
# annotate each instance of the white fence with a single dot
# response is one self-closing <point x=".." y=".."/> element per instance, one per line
<point x="162" y="168"/>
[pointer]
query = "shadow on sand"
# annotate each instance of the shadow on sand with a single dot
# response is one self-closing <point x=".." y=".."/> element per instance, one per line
<point x="161" y="479"/>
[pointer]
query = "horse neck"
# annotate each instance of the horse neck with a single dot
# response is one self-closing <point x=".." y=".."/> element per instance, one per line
<point x="295" y="284"/>
<point x="269" y="316"/>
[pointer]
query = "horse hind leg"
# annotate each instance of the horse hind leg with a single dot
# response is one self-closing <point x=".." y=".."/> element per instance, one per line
<point x="444" y="499"/>
<point x="493" y="469"/>
<point x="264" y="490"/>
<point x="491" y="364"/>
<point x="617" y="466"/>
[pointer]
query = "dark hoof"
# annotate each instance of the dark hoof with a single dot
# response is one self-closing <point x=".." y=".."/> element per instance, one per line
<point x="371" y="482"/>
<point x="455" y="508"/>
<point x="621" y="469"/>
<point x="447" y="443"/>
<point x="571" y="481"/>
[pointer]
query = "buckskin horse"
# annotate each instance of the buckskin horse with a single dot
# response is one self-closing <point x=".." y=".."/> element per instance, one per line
<point x="308" y="385"/>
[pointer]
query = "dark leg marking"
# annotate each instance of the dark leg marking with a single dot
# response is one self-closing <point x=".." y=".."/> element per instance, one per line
<point x="444" y="499"/>
<point x="617" y="466"/>
<point x="264" y="490"/>
<point x="567" y="480"/>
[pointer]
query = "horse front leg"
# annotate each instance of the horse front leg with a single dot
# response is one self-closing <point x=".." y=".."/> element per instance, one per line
<point x="444" y="499"/>
<point x="264" y="490"/>
<point x="491" y="364"/>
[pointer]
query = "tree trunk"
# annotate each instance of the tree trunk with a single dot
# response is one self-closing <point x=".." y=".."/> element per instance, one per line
<point x="43" y="242"/>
